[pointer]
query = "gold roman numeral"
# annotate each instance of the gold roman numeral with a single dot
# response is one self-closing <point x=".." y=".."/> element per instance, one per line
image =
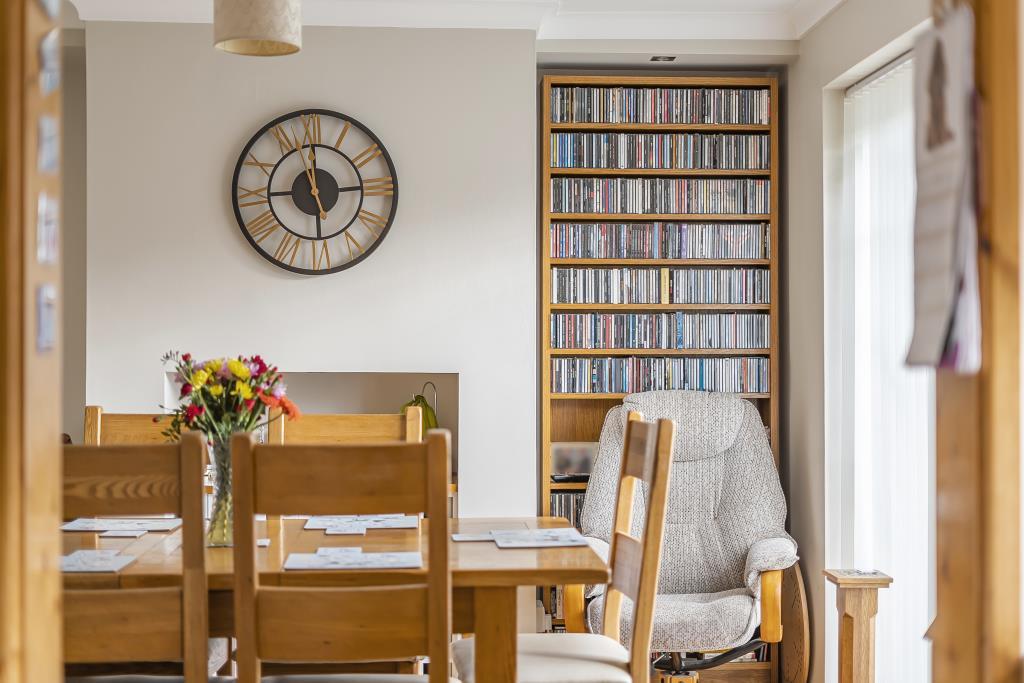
<point x="259" y="164"/>
<point x="262" y="226"/>
<point x="372" y="221"/>
<point x="367" y="155"/>
<point x="283" y="141"/>
<point x="321" y="254"/>
<point x="287" y="248"/>
<point x="349" y="241"/>
<point x="341" y="135"/>
<point x="379" y="187"/>
<point x="311" y="124"/>
<point x="260" y="193"/>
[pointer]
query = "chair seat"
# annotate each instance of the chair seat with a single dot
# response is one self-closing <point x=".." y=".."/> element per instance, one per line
<point x="691" y="622"/>
<point x="556" y="658"/>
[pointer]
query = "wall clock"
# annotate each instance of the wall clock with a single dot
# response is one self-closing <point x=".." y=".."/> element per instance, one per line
<point x="314" y="191"/>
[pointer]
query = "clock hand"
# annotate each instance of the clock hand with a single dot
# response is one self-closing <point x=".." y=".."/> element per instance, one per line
<point x="315" y="191"/>
<point x="310" y="175"/>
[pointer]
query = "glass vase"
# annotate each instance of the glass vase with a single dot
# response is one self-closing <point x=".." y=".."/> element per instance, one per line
<point x="221" y="532"/>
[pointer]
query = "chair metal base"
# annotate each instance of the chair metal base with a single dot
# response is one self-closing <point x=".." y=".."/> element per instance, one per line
<point x="677" y="665"/>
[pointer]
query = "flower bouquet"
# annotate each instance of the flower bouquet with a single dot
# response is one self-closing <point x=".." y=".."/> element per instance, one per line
<point x="220" y="397"/>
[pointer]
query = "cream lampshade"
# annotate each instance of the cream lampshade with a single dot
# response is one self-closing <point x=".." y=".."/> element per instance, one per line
<point x="261" y="28"/>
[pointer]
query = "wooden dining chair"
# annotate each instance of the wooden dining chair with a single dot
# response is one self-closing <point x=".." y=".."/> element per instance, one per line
<point x="340" y="616"/>
<point x="108" y="429"/>
<point x="347" y="428"/>
<point x="140" y="624"/>
<point x="634" y="563"/>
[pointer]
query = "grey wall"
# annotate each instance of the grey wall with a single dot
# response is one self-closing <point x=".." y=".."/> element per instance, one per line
<point x="73" y="241"/>
<point x="452" y="288"/>
<point x="856" y="38"/>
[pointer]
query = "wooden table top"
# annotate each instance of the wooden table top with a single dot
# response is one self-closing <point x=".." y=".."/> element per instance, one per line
<point x="474" y="564"/>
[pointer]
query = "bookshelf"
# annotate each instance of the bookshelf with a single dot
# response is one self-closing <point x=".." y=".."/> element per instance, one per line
<point x="599" y="179"/>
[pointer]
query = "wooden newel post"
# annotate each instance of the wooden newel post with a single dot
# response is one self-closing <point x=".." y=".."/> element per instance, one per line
<point x="857" y="601"/>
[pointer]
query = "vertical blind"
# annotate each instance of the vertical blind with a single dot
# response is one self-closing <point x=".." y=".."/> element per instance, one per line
<point x="883" y="448"/>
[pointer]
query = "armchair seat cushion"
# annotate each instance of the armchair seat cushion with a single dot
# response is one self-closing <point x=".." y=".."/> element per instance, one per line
<point x="556" y="658"/>
<point x="691" y="622"/>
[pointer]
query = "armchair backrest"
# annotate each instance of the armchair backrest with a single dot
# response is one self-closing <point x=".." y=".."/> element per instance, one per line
<point x="724" y="492"/>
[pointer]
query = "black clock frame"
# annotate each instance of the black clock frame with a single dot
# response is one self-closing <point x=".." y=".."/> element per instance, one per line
<point x="391" y="213"/>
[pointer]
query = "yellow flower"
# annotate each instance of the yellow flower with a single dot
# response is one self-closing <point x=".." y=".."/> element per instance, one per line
<point x="216" y="390"/>
<point x="199" y="378"/>
<point x="214" y="365"/>
<point x="243" y="390"/>
<point x="238" y="369"/>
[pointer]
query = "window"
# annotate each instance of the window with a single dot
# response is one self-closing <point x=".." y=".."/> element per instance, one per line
<point x="879" y="413"/>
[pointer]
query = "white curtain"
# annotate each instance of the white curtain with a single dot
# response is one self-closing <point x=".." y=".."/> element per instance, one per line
<point x="880" y="450"/>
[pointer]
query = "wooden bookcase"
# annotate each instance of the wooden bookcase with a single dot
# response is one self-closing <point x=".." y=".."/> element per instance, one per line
<point x="575" y="417"/>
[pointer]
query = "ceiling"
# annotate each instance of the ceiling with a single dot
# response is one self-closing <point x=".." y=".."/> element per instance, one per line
<point x="554" y="20"/>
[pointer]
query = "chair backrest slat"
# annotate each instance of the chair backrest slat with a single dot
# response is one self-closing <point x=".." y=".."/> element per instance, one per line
<point x="108" y="429"/>
<point x="140" y="624"/>
<point x="121" y="480"/>
<point x="635" y="562"/>
<point x="376" y="615"/>
<point x="294" y="480"/>
<point x="352" y="428"/>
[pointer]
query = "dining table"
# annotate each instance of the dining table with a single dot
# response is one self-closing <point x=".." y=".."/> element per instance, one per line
<point x="485" y="578"/>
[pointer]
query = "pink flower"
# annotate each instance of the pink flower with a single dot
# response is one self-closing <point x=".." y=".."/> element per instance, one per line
<point x="279" y="390"/>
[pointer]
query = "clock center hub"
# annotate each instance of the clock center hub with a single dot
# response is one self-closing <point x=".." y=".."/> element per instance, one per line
<point x="327" y="192"/>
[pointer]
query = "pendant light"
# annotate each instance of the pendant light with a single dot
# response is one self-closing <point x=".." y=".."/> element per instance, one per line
<point x="259" y="28"/>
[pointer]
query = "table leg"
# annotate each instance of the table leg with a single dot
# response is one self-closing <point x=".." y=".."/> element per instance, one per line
<point x="495" y="633"/>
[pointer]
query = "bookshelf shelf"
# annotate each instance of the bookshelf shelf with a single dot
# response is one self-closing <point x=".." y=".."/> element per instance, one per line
<point x="660" y="307"/>
<point x="659" y="262"/>
<point x="749" y="244"/>
<point x="660" y="352"/>
<point x="592" y="397"/>
<point x="661" y="127"/>
<point x="662" y="172"/>
<point x="648" y="217"/>
<point x="568" y="486"/>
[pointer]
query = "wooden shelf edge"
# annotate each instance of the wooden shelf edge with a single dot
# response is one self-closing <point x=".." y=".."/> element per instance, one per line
<point x="645" y="217"/>
<point x="686" y="172"/>
<point x="558" y="261"/>
<point x="605" y="397"/>
<point x="666" y="127"/>
<point x="660" y="307"/>
<point x="660" y="352"/>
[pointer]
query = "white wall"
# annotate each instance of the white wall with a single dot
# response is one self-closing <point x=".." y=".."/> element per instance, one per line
<point x="451" y="289"/>
<point x="856" y="38"/>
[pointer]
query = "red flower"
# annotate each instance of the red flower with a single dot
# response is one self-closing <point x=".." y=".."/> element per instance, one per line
<point x="187" y="357"/>
<point x="192" y="412"/>
<point x="249" y="403"/>
<point x="186" y="389"/>
<point x="289" y="408"/>
<point x="261" y="366"/>
<point x="267" y="399"/>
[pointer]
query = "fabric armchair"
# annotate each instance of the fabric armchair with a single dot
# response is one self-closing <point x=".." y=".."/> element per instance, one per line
<point x="725" y="541"/>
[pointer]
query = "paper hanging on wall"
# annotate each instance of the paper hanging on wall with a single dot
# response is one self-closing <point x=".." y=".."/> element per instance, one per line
<point x="49" y="62"/>
<point x="947" y="321"/>
<point x="47" y="240"/>
<point x="46" y="317"/>
<point x="48" y="146"/>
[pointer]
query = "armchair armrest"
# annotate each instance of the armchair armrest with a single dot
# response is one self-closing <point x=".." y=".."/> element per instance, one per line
<point x="766" y="561"/>
<point x="771" y="606"/>
<point x="574" y="608"/>
<point x="574" y="597"/>
<point x="766" y="555"/>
